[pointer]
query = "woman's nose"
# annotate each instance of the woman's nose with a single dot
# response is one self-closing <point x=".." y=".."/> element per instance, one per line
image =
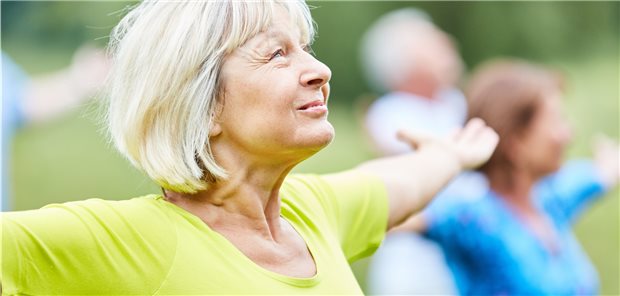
<point x="315" y="74"/>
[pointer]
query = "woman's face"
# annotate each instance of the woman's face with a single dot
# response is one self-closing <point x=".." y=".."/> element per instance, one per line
<point x="542" y="146"/>
<point x="441" y="59"/>
<point x="275" y="95"/>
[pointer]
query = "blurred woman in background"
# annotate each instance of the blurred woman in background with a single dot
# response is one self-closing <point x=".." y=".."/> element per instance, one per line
<point x="517" y="239"/>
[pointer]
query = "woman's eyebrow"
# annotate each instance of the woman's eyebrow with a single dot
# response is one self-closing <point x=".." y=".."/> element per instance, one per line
<point x="269" y="38"/>
<point x="264" y="38"/>
<point x="282" y="34"/>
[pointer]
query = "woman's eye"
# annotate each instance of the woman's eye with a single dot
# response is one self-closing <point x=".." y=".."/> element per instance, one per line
<point x="277" y="53"/>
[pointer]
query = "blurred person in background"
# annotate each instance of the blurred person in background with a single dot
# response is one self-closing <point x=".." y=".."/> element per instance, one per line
<point x="32" y="100"/>
<point x="517" y="238"/>
<point x="219" y="123"/>
<point x="418" y="67"/>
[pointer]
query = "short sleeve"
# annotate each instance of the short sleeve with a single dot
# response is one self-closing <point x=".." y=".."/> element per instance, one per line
<point x="355" y="208"/>
<point x="360" y="201"/>
<point x="567" y="192"/>
<point x="76" y="247"/>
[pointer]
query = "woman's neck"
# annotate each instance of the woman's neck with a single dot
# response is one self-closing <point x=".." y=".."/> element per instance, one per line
<point x="248" y="200"/>
<point x="514" y="186"/>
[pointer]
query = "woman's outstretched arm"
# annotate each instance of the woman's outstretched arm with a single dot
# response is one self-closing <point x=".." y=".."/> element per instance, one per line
<point x="413" y="179"/>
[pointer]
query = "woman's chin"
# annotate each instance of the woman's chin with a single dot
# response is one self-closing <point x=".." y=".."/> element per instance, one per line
<point x="318" y="139"/>
<point x="550" y="169"/>
<point x="327" y="136"/>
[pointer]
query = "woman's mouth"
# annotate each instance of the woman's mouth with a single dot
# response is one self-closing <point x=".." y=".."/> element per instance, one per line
<point x="316" y="108"/>
<point x="313" y="104"/>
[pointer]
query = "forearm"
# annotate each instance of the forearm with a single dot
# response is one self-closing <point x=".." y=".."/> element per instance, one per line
<point x="413" y="179"/>
<point x="49" y="96"/>
<point x="415" y="223"/>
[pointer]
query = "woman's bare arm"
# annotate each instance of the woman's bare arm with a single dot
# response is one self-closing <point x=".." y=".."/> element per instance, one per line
<point x="413" y="179"/>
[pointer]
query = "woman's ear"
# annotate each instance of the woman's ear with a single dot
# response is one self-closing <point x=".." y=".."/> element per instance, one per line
<point x="216" y="128"/>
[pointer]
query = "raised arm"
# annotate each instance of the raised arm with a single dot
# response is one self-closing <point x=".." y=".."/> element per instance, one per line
<point x="52" y="94"/>
<point x="413" y="179"/>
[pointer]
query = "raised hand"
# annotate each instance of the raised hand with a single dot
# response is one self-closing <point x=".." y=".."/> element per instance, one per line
<point x="472" y="146"/>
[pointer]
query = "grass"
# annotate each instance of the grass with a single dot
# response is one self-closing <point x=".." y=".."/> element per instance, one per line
<point x="68" y="159"/>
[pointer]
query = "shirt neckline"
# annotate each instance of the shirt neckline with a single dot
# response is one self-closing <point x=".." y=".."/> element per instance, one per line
<point x="517" y="220"/>
<point x="295" y="281"/>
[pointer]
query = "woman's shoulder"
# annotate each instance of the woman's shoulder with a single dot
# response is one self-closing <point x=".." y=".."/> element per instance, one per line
<point x="303" y="189"/>
<point x="459" y="212"/>
<point x="82" y="236"/>
<point x="143" y="212"/>
<point x="90" y="221"/>
<point x="97" y="206"/>
<point x="340" y="196"/>
<point x="335" y="186"/>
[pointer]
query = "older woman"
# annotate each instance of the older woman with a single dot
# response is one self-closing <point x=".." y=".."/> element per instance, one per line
<point x="217" y="101"/>
<point x="517" y="239"/>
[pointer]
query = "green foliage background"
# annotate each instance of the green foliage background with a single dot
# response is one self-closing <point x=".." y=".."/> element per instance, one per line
<point x="69" y="158"/>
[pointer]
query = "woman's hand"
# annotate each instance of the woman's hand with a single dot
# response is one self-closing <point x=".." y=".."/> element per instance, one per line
<point x="413" y="179"/>
<point x="607" y="159"/>
<point x="472" y="145"/>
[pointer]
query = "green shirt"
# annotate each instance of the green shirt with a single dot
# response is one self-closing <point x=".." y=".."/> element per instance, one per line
<point x="148" y="246"/>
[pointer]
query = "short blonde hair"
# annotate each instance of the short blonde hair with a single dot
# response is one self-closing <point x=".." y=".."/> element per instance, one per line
<point x="165" y="85"/>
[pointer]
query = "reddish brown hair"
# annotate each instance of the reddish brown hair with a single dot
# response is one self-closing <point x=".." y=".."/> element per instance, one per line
<point x="507" y="94"/>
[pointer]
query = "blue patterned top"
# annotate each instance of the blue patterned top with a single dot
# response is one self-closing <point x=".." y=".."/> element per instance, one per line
<point x="491" y="252"/>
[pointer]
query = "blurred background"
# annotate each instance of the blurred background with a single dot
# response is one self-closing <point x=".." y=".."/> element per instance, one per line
<point x="69" y="157"/>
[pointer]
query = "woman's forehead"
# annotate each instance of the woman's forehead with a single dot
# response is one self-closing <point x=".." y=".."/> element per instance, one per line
<point x="279" y="29"/>
<point x="280" y="32"/>
<point x="287" y="20"/>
